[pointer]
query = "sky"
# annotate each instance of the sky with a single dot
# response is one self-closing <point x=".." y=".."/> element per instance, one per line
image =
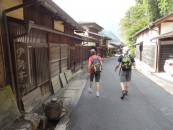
<point x="106" y="13"/>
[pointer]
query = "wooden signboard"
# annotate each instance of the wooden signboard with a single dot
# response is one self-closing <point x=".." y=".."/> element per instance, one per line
<point x="22" y="63"/>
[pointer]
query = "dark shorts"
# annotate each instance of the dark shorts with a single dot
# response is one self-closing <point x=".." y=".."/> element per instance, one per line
<point x="125" y="76"/>
<point x="96" y="75"/>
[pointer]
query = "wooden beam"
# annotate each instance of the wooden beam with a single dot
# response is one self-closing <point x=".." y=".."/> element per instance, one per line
<point x="167" y="21"/>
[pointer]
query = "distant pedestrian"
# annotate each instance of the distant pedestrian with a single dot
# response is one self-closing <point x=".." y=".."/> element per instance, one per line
<point x="94" y="69"/>
<point x="125" y="61"/>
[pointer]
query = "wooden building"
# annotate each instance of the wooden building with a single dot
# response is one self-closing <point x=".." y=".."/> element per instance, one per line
<point x="111" y="41"/>
<point x="94" y="38"/>
<point x="154" y="43"/>
<point x="37" y="45"/>
<point x="104" y="46"/>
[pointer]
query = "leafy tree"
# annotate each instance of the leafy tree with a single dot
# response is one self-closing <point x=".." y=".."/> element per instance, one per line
<point x="165" y="6"/>
<point x="153" y="11"/>
<point x="135" y="19"/>
<point x="140" y="15"/>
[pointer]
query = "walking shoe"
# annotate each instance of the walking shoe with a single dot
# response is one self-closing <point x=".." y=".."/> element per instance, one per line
<point x="123" y="94"/>
<point x="90" y="90"/>
<point x="97" y="94"/>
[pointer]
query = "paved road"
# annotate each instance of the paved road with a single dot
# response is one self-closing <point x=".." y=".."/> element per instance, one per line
<point x="147" y="107"/>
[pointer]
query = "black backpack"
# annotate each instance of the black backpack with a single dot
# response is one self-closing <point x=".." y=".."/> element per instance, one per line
<point x="96" y="65"/>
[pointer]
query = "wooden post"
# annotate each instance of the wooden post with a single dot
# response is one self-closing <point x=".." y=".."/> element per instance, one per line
<point x="158" y="56"/>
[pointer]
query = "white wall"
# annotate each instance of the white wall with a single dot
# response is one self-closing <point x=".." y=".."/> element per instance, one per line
<point x="147" y="35"/>
<point x="166" y="27"/>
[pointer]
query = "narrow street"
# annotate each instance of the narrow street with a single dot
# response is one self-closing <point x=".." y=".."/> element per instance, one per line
<point x="147" y="107"/>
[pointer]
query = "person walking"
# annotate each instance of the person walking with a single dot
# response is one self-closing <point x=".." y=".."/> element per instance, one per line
<point x="94" y="69"/>
<point x="125" y="61"/>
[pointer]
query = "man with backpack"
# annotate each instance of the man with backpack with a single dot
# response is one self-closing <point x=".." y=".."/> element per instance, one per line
<point x="125" y="61"/>
<point x="94" y="70"/>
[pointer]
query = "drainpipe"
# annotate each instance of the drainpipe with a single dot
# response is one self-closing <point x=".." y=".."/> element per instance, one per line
<point x="9" y="49"/>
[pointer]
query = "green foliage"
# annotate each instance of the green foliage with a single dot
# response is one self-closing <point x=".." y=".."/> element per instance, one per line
<point x="140" y="15"/>
<point x="152" y="9"/>
<point x="165" y="6"/>
<point x="133" y="51"/>
<point x="135" y="19"/>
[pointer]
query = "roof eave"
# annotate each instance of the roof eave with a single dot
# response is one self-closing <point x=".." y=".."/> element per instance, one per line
<point x="54" y="8"/>
<point x="162" y="19"/>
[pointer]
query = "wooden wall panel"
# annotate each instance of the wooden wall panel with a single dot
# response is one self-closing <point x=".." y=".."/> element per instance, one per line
<point x="54" y="64"/>
<point x="64" y="65"/>
<point x="54" y="52"/>
<point x="148" y="55"/>
<point x="54" y="60"/>
<point x="64" y="57"/>
<point x="72" y="58"/>
<point x="64" y="51"/>
<point x="46" y="90"/>
<point x="35" y="36"/>
<point x="39" y="15"/>
<point x="53" y="38"/>
<point x="54" y="69"/>
<point x="42" y="70"/>
<point x="32" y="99"/>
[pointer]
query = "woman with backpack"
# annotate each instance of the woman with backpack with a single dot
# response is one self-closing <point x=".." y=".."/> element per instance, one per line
<point x="125" y="61"/>
<point x="94" y="69"/>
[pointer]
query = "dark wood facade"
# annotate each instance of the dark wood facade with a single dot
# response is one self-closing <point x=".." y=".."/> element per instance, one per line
<point x="38" y="53"/>
<point x="93" y="30"/>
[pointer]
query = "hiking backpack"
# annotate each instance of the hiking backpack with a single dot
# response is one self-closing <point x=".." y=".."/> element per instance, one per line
<point x="126" y="63"/>
<point x="96" y="65"/>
